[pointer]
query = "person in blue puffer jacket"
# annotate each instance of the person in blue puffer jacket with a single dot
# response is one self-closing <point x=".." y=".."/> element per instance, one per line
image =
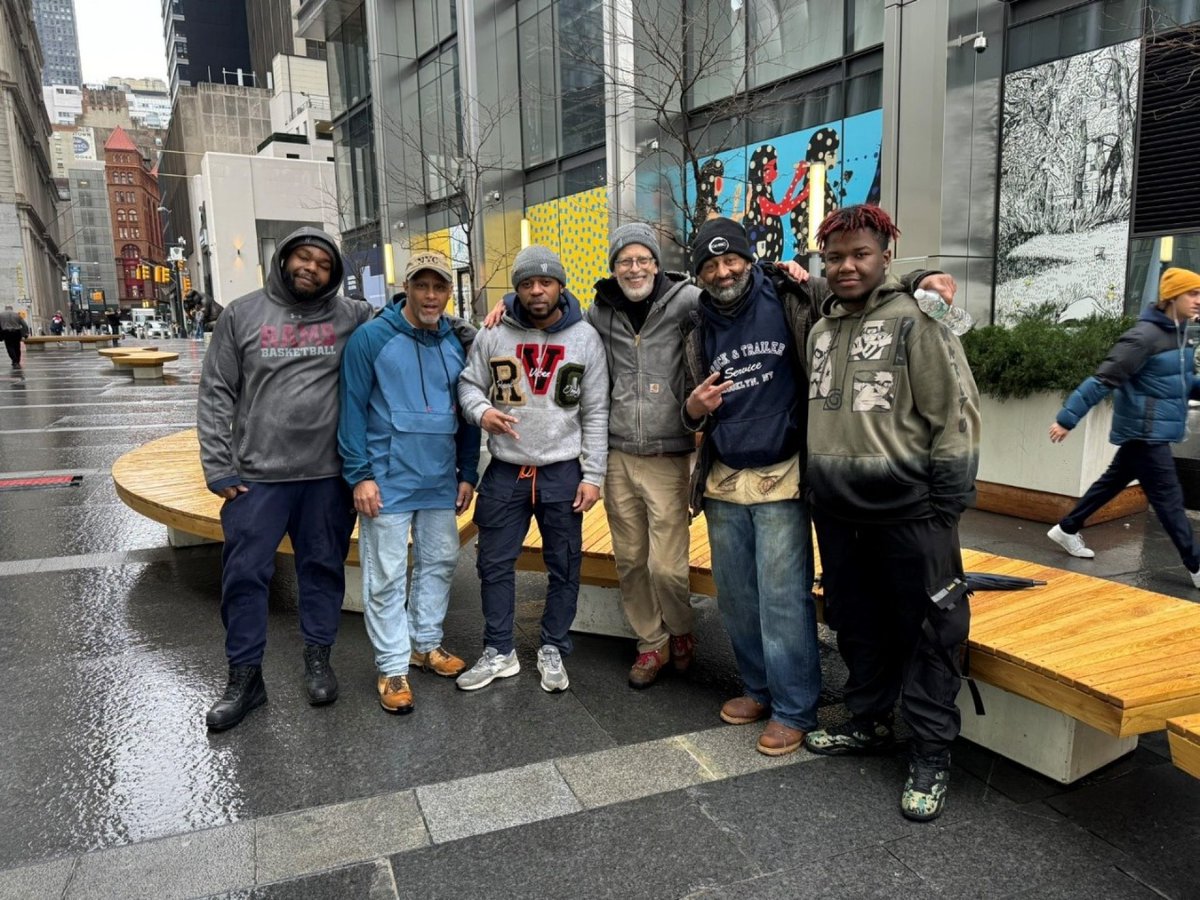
<point x="1152" y="371"/>
<point x="412" y="460"/>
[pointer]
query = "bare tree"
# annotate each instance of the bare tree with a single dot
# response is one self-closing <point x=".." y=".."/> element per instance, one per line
<point x="438" y="170"/>
<point x="688" y="69"/>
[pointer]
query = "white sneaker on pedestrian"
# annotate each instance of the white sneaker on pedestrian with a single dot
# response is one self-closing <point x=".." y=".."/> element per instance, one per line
<point x="1072" y="543"/>
<point x="492" y="665"/>
<point x="1195" y="578"/>
<point x="550" y="666"/>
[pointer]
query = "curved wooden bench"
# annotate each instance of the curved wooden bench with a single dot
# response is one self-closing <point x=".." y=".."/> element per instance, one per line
<point x="1071" y="672"/>
<point x="110" y="352"/>
<point x="145" y="364"/>
<point x="163" y="481"/>
<point x="39" y="342"/>
<point x="1183" y="735"/>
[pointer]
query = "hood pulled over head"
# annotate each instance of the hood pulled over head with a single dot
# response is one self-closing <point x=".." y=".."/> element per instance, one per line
<point x="277" y="286"/>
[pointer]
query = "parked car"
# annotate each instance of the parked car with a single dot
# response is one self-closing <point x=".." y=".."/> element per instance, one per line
<point x="155" y="328"/>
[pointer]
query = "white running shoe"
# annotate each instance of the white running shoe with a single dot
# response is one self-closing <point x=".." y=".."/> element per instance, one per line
<point x="492" y="665"/>
<point x="549" y="664"/>
<point x="1195" y="578"/>
<point x="1072" y="543"/>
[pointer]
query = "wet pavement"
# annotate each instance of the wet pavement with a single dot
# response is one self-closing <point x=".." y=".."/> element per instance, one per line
<point x="112" y="787"/>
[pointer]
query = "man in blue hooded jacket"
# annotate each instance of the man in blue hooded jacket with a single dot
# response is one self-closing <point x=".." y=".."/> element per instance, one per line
<point x="411" y="459"/>
<point x="1151" y="371"/>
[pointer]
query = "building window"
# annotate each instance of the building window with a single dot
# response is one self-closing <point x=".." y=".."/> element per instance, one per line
<point x="441" y="113"/>
<point x="357" y="181"/>
<point x="562" y="79"/>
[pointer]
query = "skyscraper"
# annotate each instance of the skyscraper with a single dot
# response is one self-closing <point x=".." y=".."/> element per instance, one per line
<point x="207" y="40"/>
<point x="55" y="21"/>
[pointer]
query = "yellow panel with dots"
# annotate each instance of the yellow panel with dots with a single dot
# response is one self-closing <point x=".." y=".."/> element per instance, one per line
<point x="576" y="228"/>
<point x="437" y="241"/>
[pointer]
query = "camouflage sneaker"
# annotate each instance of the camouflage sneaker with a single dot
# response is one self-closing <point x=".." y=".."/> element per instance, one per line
<point x="924" y="795"/>
<point x="849" y="738"/>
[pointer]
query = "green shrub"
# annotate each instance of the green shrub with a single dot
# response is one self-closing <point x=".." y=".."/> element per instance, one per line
<point x="1038" y="354"/>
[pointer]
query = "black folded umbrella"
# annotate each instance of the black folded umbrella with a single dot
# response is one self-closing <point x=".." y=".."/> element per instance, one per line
<point x="984" y="581"/>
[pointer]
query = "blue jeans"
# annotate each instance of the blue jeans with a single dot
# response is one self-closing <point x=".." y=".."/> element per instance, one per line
<point x="383" y="550"/>
<point x="762" y="566"/>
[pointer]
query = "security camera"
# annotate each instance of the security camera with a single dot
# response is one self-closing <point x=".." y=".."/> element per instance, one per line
<point x="980" y="44"/>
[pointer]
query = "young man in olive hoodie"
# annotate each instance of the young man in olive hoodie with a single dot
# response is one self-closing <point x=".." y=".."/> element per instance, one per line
<point x="893" y="447"/>
<point x="268" y="418"/>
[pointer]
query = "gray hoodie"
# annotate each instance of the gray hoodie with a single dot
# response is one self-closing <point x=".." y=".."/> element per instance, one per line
<point x="554" y="381"/>
<point x="268" y="407"/>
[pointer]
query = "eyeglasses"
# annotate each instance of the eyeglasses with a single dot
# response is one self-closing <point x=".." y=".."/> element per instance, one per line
<point x="630" y="262"/>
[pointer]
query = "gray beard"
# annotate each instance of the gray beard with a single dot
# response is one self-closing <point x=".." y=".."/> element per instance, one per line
<point x="728" y="296"/>
<point x="640" y="295"/>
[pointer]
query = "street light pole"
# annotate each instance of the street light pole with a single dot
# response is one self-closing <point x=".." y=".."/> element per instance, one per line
<point x="176" y="258"/>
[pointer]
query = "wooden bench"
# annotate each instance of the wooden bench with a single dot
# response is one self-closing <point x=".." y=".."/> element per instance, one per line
<point x="110" y="352"/>
<point x="144" y="364"/>
<point x="1071" y="672"/>
<point x="38" y="342"/>
<point x="163" y="481"/>
<point x="1183" y="734"/>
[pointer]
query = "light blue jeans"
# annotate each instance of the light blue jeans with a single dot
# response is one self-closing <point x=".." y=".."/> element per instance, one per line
<point x="383" y="553"/>
<point x="762" y="566"/>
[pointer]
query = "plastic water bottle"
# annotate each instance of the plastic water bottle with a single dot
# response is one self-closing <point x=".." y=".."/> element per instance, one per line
<point x="957" y="319"/>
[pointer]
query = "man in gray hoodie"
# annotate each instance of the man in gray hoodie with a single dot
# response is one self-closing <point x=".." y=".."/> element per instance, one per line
<point x="268" y="417"/>
<point x="538" y="385"/>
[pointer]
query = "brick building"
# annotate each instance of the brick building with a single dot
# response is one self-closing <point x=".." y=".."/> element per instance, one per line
<point x="133" y="199"/>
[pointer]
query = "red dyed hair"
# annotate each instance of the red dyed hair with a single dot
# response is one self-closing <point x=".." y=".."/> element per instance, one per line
<point x="858" y="218"/>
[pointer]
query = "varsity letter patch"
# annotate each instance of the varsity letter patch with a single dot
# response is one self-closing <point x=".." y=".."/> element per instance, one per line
<point x="506" y="381"/>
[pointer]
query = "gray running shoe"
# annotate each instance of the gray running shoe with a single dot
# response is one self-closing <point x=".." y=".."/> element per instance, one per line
<point x="492" y="665"/>
<point x="550" y="666"/>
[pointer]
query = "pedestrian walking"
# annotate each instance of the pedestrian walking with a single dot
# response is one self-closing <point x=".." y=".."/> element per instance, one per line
<point x="13" y="330"/>
<point x="1151" y="372"/>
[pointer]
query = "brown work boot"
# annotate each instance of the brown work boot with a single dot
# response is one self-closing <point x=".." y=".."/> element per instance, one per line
<point x="437" y="661"/>
<point x="777" y="739"/>
<point x="647" y="667"/>
<point x="394" y="694"/>
<point x="683" y="647"/>
<point x="743" y="711"/>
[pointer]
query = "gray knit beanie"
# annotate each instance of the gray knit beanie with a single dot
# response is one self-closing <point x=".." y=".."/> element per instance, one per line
<point x="633" y="233"/>
<point x="537" y="260"/>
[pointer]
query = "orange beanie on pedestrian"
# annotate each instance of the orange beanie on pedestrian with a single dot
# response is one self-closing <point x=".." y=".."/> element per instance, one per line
<point x="1177" y="281"/>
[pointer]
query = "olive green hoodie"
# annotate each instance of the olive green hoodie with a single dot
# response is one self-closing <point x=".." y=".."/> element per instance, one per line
<point x="893" y="412"/>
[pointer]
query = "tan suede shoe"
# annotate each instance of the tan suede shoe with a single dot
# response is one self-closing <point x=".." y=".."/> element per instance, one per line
<point x="437" y="661"/>
<point x="647" y="667"/>
<point x="777" y="739"/>
<point x="743" y="711"/>
<point x="394" y="694"/>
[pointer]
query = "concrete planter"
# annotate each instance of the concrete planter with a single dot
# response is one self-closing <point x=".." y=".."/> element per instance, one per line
<point x="1022" y="474"/>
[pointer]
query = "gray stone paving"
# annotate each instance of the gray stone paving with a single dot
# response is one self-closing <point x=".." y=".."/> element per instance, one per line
<point x="113" y="788"/>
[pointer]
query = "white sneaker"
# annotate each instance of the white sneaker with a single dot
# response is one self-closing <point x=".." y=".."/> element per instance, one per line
<point x="492" y="665"/>
<point x="550" y="666"/>
<point x="1072" y="543"/>
<point x="1195" y="578"/>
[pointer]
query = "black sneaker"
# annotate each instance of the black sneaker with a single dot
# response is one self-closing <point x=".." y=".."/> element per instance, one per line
<point x="850" y="738"/>
<point x="319" y="680"/>
<point x="244" y="691"/>
<point x="924" y="795"/>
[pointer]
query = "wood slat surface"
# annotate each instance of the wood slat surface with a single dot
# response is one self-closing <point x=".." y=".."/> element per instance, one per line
<point x="1118" y="657"/>
<point x="163" y="481"/>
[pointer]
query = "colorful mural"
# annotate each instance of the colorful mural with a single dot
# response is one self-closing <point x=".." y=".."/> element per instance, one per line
<point x="747" y="183"/>
<point x="1066" y="182"/>
<point x="576" y="228"/>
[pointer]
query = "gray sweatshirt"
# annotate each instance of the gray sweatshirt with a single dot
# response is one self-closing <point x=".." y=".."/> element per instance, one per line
<point x="268" y="406"/>
<point x="554" y="381"/>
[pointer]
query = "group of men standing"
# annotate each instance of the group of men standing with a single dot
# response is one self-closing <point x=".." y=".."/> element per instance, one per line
<point x="306" y="418"/>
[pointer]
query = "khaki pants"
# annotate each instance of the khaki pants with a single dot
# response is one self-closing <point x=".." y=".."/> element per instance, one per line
<point x="645" y="498"/>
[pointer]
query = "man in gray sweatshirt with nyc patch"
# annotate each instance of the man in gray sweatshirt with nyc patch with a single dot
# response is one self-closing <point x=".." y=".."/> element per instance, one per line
<point x="538" y="385"/>
<point x="267" y="418"/>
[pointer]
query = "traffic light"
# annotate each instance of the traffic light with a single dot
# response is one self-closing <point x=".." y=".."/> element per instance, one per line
<point x="187" y="284"/>
<point x="162" y="275"/>
<point x="143" y="272"/>
<point x="98" y="296"/>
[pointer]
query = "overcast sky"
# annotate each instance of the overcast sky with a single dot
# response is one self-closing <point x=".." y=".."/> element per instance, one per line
<point x="129" y="45"/>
